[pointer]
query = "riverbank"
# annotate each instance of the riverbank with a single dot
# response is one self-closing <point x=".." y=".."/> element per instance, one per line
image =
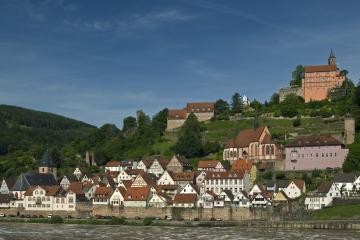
<point x="308" y="224"/>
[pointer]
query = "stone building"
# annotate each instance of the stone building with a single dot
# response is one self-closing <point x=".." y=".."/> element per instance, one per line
<point x="319" y="80"/>
<point x="285" y="91"/>
<point x="202" y="110"/>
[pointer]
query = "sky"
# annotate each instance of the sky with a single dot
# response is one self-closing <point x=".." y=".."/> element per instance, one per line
<point x="99" y="61"/>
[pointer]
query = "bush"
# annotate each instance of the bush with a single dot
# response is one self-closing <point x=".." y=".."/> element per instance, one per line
<point x="325" y="113"/>
<point x="147" y="221"/>
<point x="289" y="111"/>
<point x="56" y="219"/>
<point x="277" y="113"/>
<point x="117" y="221"/>
<point x="297" y="122"/>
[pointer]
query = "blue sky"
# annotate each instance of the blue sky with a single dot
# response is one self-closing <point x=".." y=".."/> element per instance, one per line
<point x="99" y="61"/>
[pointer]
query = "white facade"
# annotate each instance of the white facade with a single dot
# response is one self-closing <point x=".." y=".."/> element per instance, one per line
<point x="166" y="179"/>
<point x="232" y="181"/>
<point x="241" y="200"/>
<point x="117" y="199"/>
<point x="156" y="168"/>
<point x="320" y="200"/>
<point x="293" y="191"/>
<point x="188" y="189"/>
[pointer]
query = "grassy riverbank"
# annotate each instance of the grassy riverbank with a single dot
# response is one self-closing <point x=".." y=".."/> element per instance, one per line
<point x="339" y="212"/>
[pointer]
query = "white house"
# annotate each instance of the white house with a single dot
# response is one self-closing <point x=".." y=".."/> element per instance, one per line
<point x="357" y="183"/>
<point x="117" y="197"/>
<point x="185" y="200"/>
<point x="189" y="189"/>
<point x="225" y="198"/>
<point x="260" y="200"/>
<point x="241" y="199"/>
<point x="256" y="189"/>
<point x="323" y="196"/>
<point x="113" y="166"/>
<point x="295" y="189"/>
<point x="206" y="200"/>
<point x="102" y="196"/>
<point x="345" y="182"/>
<point x="210" y="165"/>
<point x="159" y="200"/>
<point x="77" y="172"/>
<point x="144" y="164"/>
<point x="166" y="179"/>
<point x="158" y="166"/>
<point x="5" y="200"/>
<point x="219" y="181"/>
<point x="137" y="197"/>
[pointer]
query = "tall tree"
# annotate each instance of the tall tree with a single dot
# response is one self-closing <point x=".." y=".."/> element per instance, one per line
<point x="159" y="121"/>
<point x="274" y="100"/>
<point x="236" y="103"/>
<point x="222" y="109"/>
<point x="297" y="75"/>
<point x="129" y="123"/>
<point x="189" y="142"/>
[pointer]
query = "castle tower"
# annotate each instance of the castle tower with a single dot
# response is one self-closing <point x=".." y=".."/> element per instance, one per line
<point x="332" y="59"/>
<point x="47" y="164"/>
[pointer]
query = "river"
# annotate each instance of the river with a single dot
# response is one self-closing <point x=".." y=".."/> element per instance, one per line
<point x="20" y="231"/>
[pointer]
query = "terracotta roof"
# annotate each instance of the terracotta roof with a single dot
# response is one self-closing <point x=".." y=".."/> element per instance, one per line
<point x="76" y="187"/>
<point x="208" y="163"/>
<point x="113" y="164"/>
<point x="314" y="140"/>
<point x="183" y="160"/>
<point x="122" y="190"/>
<point x="147" y="162"/>
<point x="299" y="183"/>
<point x="200" y="107"/>
<point x="137" y="194"/>
<point x="224" y="175"/>
<point x="185" y="198"/>
<point x="148" y="178"/>
<point x="245" y="137"/>
<point x="230" y="143"/>
<point x="112" y="174"/>
<point x="320" y="68"/>
<point x="134" y="172"/>
<point x="103" y="192"/>
<point x="127" y="183"/>
<point x="242" y="165"/>
<point x="167" y="187"/>
<point x="174" y="114"/>
<point x="182" y="176"/>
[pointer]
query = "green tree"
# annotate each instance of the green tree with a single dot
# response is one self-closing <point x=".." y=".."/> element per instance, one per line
<point x="352" y="162"/>
<point x="297" y="75"/>
<point x="222" y="109"/>
<point x="236" y="103"/>
<point x="189" y="142"/>
<point x="159" y="121"/>
<point x="274" y="100"/>
<point x="256" y="104"/>
<point x="129" y="123"/>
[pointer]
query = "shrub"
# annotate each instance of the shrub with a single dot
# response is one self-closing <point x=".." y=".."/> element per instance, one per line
<point x="56" y="219"/>
<point x="117" y="221"/>
<point x="297" y="122"/>
<point x="325" y="113"/>
<point x="147" y="221"/>
<point x="277" y="113"/>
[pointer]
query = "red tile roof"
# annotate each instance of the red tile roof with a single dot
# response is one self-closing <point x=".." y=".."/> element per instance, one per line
<point x="185" y="198"/>
<point x="103" y="192"/>
<point x="137" y="194"/>
<point x="320" y="68"/>
<point x="113" y="164"/>
<point x="208" y="163"/>
<point x="245" y="137"/>
<point x="200" y="107"/>
<point x="314" y="141"/>
<point x="182" y="176"/>
<point x="76" y="187"/>
<point x="225" y="175"/>
<point x="242" y="165"/>
<point x="174" y="114"/>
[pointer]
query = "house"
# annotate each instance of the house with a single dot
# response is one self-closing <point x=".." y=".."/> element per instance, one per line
<point x="113" y="166"/>
<point x="318" y="81"/>
<point x="275" y="186"/>
<point x="185" y="200"/>
<point x="241" y="199"/>
<point x="25" y="180"/>
<point x="144" y="164"/>
<point x="357" y="183"/>
<point x="225" y="198"/>
<point x="144" y="179"/>
<point x="295" y="188"/>
<point x="85" y="178"/>
<point x="118" y="196"/>
<point x="210" y="165"/>
<point x="281" y="197"/>
<point x="189" y="188"/>
<point x="7" y="184"/>
<point x="178" y="163"/>
<point x="204" y="111"/>
<point x="137" y="197"/>
<point x="260" y="199"/>
<point x="102" y="196"/>
<point x="67" y="180"/>
<point x="200" y="178"/>
<point x="219" y="181"/>
<point x="159" y="199"/>
<point x="5" y="200"/>
<point x="345" y="182"/>
<point x="183" y="178"/>
<point x="323" y="196"/>
<point x="78" y="189"/>
<point x="206" y="200"/>
<point x="49" y="198"/>
<point x="253" y="144"/>
<point x="169" y="190"/>
<point x="77" y="172"/>
<point x="314" y="152"/>
<point x="88" y="189"/>
<point x="158" y="166"/>
<point x="166" y="179"/>
<point x="245" y="165"/>
<point x="257" y="188"/>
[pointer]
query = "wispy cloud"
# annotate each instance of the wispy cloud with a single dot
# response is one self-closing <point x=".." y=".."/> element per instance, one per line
<point x="151" y="20"/>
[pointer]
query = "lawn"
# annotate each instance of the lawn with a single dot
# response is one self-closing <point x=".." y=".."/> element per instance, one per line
<point x="338" y="212"/>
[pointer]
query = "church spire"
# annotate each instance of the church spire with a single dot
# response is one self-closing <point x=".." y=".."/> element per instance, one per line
<point x="332" y="59"/>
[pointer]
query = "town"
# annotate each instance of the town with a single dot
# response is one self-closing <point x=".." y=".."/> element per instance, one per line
<point x="172" y="188"/>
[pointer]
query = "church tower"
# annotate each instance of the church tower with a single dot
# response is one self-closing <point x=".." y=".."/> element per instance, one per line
<point x="47" y="164"/>
<point x="332" y="59"/>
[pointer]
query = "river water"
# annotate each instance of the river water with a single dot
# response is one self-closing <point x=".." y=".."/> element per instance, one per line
<point x="20" y="231"/>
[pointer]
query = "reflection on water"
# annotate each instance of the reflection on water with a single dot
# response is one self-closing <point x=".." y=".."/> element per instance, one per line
<point x="17" y="231"/>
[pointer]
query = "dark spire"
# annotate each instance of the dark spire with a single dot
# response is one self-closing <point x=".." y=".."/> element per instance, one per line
<point x="47" y="160"/>
<point x="332" y="55"/>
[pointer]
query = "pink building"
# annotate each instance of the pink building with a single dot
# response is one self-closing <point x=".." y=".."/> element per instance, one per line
<point x="314" y="152"/>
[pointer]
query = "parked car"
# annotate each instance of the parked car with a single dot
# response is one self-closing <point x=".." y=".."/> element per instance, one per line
<point x="49" y="215"/>
<point x="168" y="218"/>
<point x="212" y="219"/>
<point x="196" y="219"/>
<point x="2" y="215"/>
<point x="218" y="219"/>
<point x="157" y="218"/>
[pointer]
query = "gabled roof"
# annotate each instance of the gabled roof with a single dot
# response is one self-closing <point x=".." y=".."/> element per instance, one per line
<point x="174" y="114"/>
<point x="5" y="198"/>
<point x="182" y="160"/>
<point x="242" y="165"/>
<point x="324" y="187"/>
<point x="127" y="183"/>
<point x="26" y="180"/>
<point x="320" y="68"/>
<point x="49" y="190"/>
<point x="182" y="176"/>
<point x="208" y="163"/>
<point x="229" y="194"/>
<point x="10" y="181"/>
<point x="76" y="187"/>
<point x="314" y="141"/>
<point x="185" y="198"/>
<point x="299" y="183"/>
<point x="200" y="107"/>
<point x="345" y="178"/>
<point x="147" y="162"/>
<point x="47" y="160"/>
<point x="103" y="192"/>
<point x="137" y="194"/>
<point x="113" y="164"/>
<point x="134" y="172"/>
<point x="245" y="137"/>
